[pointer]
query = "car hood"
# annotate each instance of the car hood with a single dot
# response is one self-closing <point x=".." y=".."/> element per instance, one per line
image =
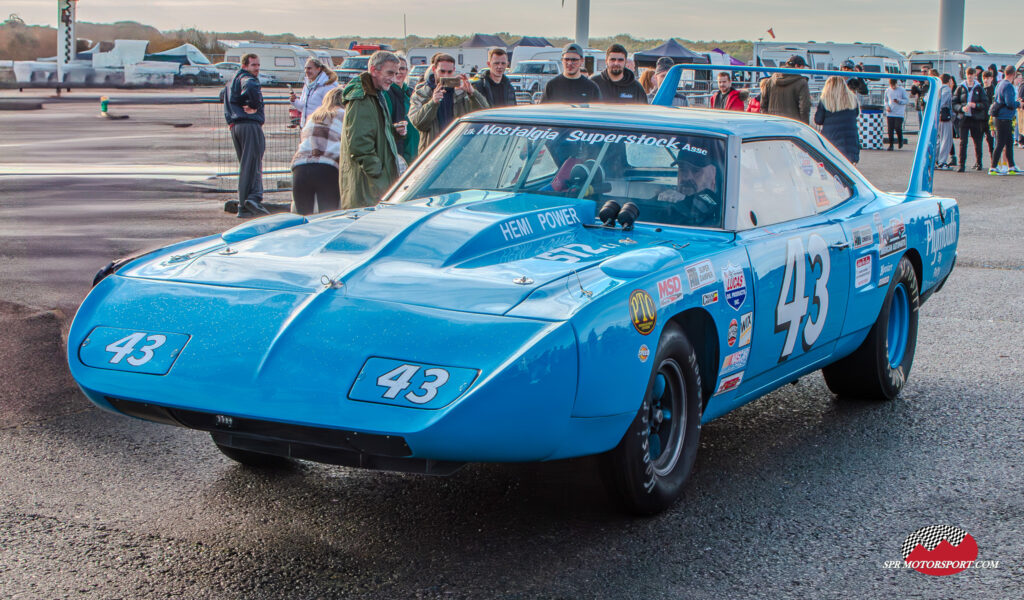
<point x="473" y="251"/>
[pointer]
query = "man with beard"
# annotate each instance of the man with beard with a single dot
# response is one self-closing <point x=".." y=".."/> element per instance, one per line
<point x="618" y="84"/>
<point x="787" y="94"/>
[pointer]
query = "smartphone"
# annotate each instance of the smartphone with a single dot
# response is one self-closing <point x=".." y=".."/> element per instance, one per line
<point x="451" y="82"/>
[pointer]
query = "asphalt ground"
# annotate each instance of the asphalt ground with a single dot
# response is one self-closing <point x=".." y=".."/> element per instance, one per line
<point x="796" y="495"/>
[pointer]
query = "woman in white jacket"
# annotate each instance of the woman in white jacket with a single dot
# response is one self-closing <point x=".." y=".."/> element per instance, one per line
<point x="320" y="79"/>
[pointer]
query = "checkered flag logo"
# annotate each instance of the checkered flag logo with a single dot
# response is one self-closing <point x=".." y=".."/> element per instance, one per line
<point x="932" y="536"/>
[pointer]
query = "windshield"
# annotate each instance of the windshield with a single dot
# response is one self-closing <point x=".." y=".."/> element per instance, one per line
<point x="529" y="69"/>
<point x="673" y="178"/>
<point x="356" y="62"/>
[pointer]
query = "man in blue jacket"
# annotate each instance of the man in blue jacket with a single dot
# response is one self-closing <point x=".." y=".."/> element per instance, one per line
<point x="243" y="110"/>
<point x="1006" y="98"/>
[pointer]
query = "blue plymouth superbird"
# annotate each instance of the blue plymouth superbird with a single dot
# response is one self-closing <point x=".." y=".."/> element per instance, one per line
<point x="546" y="282"/>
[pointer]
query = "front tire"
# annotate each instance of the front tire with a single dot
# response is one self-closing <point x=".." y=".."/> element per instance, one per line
<point x="648" y="468"/>
<point x="879" y="368"/>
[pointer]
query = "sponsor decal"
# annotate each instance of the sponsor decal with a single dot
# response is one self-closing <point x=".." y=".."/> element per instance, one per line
<point x="525" y="226"/>
<point x="668" y="142"/>
<point x="644" y="353"/>
<point x="735" y="361"/>
<point x="746" y="328"/>
<point x="822" y="171"/>
<point x="530" y="133"/>
<point x="939" y="238"/>
<point x="893" y="238"/>
<point x="729" y="383"/>
<point x="820" y="197"/>
<point x="670" y="290"/>
<point x="709" y="298"/>
<point x="735" y="285"/>
<point x="883" y="280"/>
<point x="940" y="550"/>
<point x="807" y="165"/>
<point x="863" y="236"/>
<point x="886" y="269"/>
<point x="700" y="274"/>
<point x="642" y="312"/>
<point x="734" y="330"/>
<point x="863" y="271"/>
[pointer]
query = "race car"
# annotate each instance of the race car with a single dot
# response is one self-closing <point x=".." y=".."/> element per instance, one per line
<point x="545" y="282"/>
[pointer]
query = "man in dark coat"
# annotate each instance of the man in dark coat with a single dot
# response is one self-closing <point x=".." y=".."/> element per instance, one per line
<point x="492" y="83"/>
<point x="856" y="84"/>
<point x="787" y="94"/>
<point x="243" y="110"/>
<point x="970" y="101"/>
<point x="618" y="84"/>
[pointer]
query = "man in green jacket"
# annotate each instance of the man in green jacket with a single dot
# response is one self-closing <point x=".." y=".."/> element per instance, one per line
<point x="369" y="158"/>
<point x="434" y="106"/>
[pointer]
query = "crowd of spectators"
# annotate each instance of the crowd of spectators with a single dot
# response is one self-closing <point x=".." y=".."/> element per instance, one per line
<point x="357" y="139"/>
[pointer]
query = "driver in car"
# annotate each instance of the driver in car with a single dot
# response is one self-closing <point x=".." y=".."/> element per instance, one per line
<point x="695" y="197"/>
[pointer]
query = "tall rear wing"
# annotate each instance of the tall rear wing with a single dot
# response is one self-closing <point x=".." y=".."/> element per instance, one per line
<point x="921" y="173"/>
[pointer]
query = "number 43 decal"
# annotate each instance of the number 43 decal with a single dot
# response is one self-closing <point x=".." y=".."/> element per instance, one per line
<point x="789" y="313"/>
<point x="397" y="380"/>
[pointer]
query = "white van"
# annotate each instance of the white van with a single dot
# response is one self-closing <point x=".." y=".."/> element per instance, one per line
<point x="286" y="62"/>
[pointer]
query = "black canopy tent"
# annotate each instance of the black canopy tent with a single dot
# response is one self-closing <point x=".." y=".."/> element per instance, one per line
<point x="672" y="49"/>
<point x="480" y="40"/>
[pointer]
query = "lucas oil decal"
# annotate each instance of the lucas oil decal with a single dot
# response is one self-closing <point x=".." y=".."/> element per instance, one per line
<point x="642" y="312"/>
<point x="735" y="285"/>
<point x="670" y="290"/>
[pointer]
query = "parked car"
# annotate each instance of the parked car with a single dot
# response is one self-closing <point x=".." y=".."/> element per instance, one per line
<point x="531" y="76"/>
<point x="351" y="68"/>
<point x="546" y="282"/>
<point x="227" y="70"/>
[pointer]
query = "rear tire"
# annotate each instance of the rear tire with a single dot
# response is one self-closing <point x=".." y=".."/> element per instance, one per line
<point x="879" y="368"/>
<point x="253" y="459"/>
<point x="647" y="470"/>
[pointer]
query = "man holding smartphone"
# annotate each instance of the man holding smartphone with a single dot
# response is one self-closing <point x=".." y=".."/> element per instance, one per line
<point x="441" y="99"/>
<point x="571" y="86"/>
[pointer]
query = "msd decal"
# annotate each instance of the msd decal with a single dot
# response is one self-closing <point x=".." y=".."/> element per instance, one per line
<point x="735" y="286"/>
<point x="670" y="290"/>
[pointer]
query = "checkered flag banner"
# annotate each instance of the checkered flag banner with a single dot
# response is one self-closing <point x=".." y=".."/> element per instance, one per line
<point x="931" y="536"/>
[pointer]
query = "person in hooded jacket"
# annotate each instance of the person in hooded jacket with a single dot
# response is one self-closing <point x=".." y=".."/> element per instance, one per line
<point x="837" y="114"/>
<point x="787" y="94"/>
<point x="320" y="79"/>
<point x="398" y="99"/>
<point x="618" y="84"/>
<point x="434" y="106"/>
<point x="492" y="83"/>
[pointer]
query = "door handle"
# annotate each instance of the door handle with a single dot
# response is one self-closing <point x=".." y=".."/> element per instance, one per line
<point x="839" y="246"/>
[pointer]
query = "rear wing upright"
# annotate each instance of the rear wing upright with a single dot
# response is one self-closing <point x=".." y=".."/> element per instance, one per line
<point x="921" y="174"/>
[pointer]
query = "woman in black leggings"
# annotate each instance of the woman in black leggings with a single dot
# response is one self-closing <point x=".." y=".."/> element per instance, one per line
<point x="315" y="165"/>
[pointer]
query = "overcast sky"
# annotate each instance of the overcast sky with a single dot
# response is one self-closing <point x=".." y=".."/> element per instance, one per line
<point x="902" y="24"/>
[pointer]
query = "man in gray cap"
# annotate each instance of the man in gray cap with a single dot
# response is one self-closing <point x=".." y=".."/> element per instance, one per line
<point x="661" y="69"/>
<point x="571" y="86"/>
<point x="787" y="94"/>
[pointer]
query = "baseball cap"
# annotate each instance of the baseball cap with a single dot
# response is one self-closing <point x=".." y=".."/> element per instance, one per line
<point x="796" y="61"/>
<point x="572" y="48"/>
<point x="848" y="64"/>
<point x="664" y="64"/>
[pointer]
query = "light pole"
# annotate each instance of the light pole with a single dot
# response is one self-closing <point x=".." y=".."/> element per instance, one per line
<point x="951" y="25"/>
<point x="66" y="46"/>
<point x="583" y="23"/>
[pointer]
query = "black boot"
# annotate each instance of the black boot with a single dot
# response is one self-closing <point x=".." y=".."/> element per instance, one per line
<point x="962" y="168"/>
